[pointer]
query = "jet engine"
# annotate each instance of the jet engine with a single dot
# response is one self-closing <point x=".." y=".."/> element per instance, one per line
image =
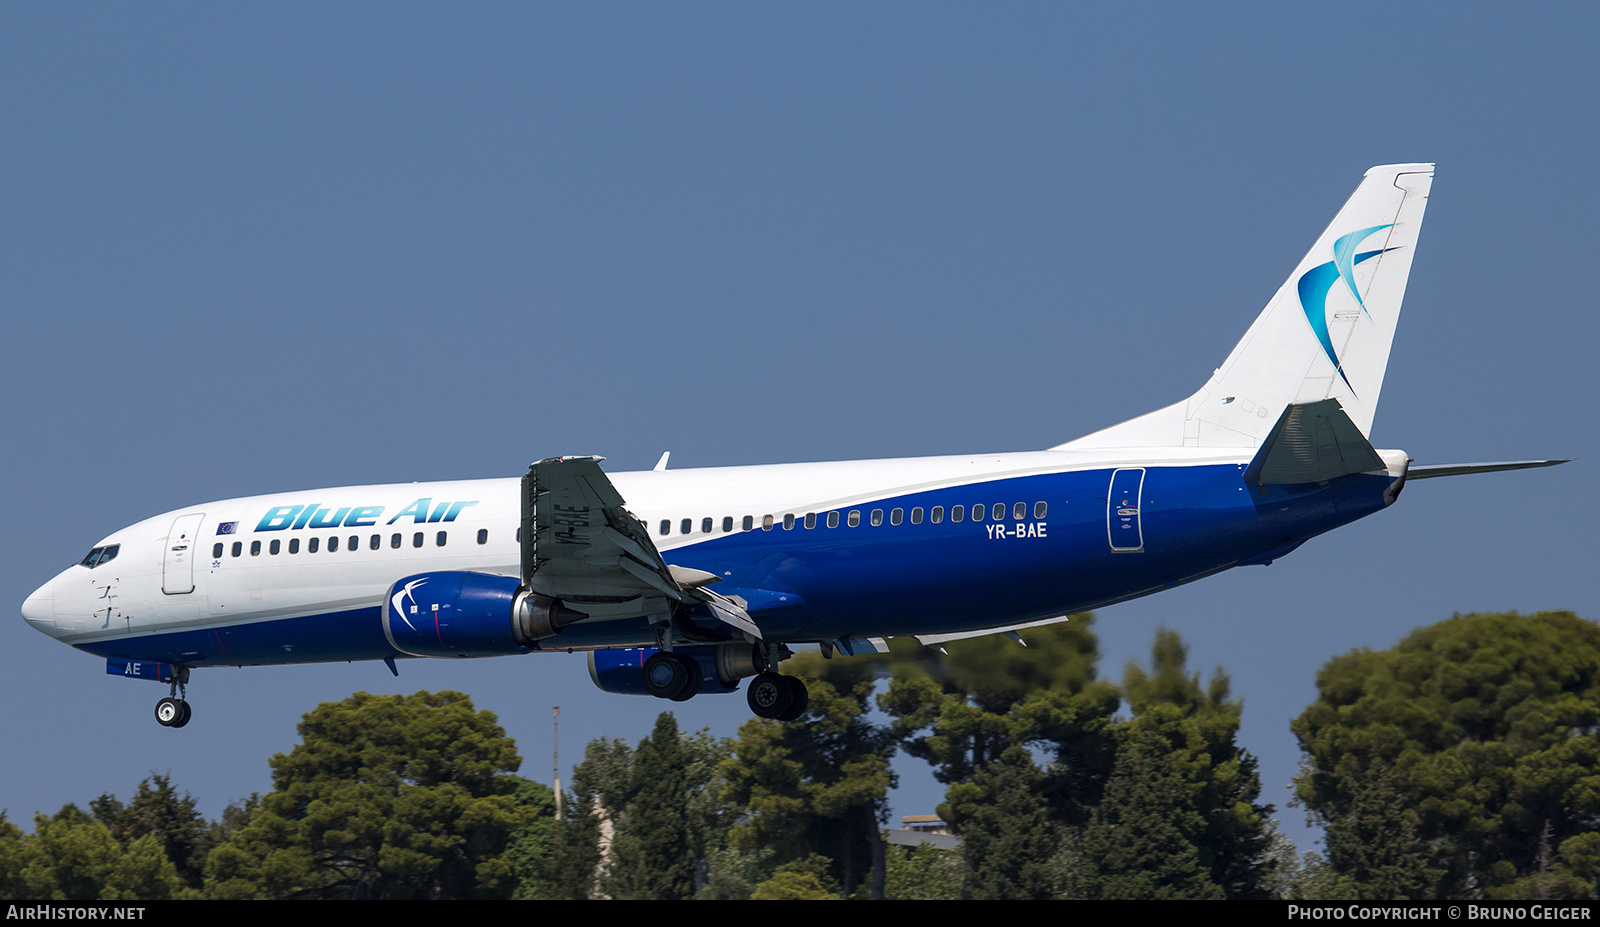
<point x="721" y="667"/>
<point x="460" y="614"/>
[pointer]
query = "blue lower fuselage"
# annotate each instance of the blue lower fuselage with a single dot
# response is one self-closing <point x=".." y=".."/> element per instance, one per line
<point x="1100" y="536"/>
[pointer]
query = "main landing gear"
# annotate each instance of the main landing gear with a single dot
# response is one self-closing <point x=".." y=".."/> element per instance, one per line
<point x="679" y="677"/>
<point x="781" y="698"/>
<point x="173" y="711"/>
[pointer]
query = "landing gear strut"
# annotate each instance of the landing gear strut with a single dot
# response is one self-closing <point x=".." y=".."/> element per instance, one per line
<point x="173" y="711"/>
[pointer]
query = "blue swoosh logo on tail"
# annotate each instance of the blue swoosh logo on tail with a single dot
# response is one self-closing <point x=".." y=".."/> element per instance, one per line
<point x="1315" y="284"/>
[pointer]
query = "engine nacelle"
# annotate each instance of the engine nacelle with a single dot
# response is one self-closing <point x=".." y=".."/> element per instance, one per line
<point x="459" y="614"/>
<point x="721" y="667"/>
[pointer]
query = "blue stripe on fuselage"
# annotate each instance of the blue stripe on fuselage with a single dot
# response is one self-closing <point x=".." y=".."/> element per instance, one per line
<point x="878" y="580"/>
<point x="902" y="579"/>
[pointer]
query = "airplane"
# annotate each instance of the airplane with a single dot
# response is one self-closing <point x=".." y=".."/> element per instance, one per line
<point x="680" y="582"/>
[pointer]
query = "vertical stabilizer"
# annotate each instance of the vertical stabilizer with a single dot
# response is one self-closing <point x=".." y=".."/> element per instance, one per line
<point x="1324" y="335"/>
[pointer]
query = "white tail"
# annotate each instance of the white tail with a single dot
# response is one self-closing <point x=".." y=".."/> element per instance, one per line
<point x="1324" y="335"/>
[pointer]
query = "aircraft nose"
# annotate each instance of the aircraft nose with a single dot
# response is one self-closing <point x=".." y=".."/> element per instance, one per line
<point x="39" y="609"/>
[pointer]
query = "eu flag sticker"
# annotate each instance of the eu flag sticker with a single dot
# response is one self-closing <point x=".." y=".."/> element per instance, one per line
<point x="227" y="527"/>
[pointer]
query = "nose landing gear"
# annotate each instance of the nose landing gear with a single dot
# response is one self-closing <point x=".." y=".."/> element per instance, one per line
<point x="173" y="711"/>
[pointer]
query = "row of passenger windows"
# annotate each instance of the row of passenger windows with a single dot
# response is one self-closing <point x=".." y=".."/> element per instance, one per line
<point x="935" y="515"/>
<point x="396" y="541"/>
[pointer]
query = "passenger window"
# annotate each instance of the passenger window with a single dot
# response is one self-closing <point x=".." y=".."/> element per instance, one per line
<point x="238" y="548"/>
<point x="788" y="522"/>
<point x="766" y="523"/>
<point x="877" y="517"/>
<point x="255" y="548"/>
<point x="705" y="526"/>
<point x="833" y="519"/>
<point x="416" y="540"/>
<point x="895" y="516"/>
<point x="977" y="511"/>
<point x="294" y="545"/>
<point x="439" y="539"/>
<point x="483" y="535"/>
<point x="376" y="542"/>
<point x="1039" y="509"/>
<point x="311" y="545"/>
<point x="1019" y="511"/>
<point x="727" y="524"/>
<point x="686" y="526"/>
<point x="854" y="520"/>
<point x="916" y="515"/>
<point x="275" y="546"/>
<point x="216" y="550"/>
<point x="937" y="514"/>
<point x="811" y="520"/>
<point x="957" y="513"/>
<point x="999" y="512"/>
<point x="749" y="522"/>
<point x="666" y="527"/>
<point x="355" y="543"/>
<point x="394" y="541"/>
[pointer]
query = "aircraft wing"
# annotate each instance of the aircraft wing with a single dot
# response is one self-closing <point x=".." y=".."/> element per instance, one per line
<point x="580" y="545"/>
<point x="1010" y="630"/>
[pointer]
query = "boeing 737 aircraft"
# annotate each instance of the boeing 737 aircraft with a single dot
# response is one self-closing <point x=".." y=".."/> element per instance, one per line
<point x="678" y="582"/>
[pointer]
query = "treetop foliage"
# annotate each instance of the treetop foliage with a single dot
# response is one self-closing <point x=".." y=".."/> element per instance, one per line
<point x="1489" y="726"/>
<point x="386" y="796"/>
<point x="817" y="785"/>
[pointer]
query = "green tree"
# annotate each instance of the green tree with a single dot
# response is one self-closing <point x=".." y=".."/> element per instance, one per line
<point x="961" y="710"/>
<point x="1140" y="844"/>
<point x="818" y="785"/>
<point x="1006" y="834"/>
<point x="732" y="874"/>
<point x="640" y="821"/>
<point x="1489" y="727"/>
<point x="923" y="873"/>
<point x="385" y="797"/>
<point x="652" y="855"/>
<point x="1374" y="846"/>
<point x="158" y="810"/>
<point x="804" y="879"/>
<point x="566" y="869"/>
<point x="1217" y="788"/>
<point x="530" y="848"/>
<point x="73" y="857"/>
<point x="10" y="859"/>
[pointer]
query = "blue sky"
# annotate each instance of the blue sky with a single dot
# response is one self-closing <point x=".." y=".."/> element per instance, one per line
<point x="251" y="248"/>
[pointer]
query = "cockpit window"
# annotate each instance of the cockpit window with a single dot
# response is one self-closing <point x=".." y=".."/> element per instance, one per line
<point x="100" y="555"/>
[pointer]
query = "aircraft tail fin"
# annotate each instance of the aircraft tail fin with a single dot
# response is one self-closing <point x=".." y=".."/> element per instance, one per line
<point x="1324" y="335"/>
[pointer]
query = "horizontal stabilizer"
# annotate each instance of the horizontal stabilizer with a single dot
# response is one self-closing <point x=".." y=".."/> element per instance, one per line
<point x="1312" y="442"/>
<point x="1432" y="470"/>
